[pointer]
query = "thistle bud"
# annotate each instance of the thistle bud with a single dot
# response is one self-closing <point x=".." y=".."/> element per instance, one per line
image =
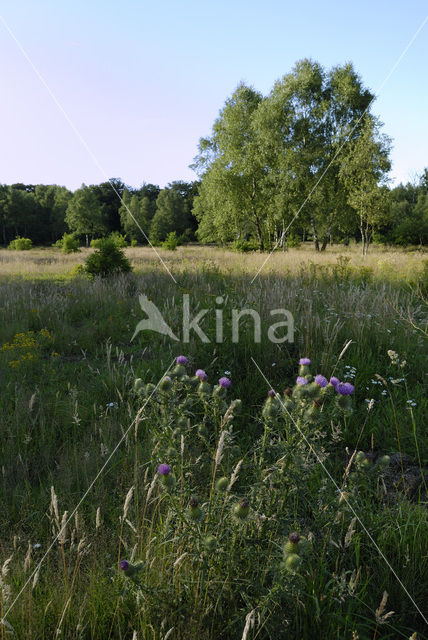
<point x="204" y="388"/>
<point x="292" y="544"/>
<point x="270" y="408"/>
<point x="222" y="484"/>
<point x="242" y="509"/>
<point x="150" y="388"/>
<point x="312" y="414"/>
<point x="166" y="384"/>
<point x="292" y="562"/>
<point x="179" y="371"/>
<point x="311" y="390"/>
<point x="195" y="512"/>
<point x="383" y="462"/>
<point x="219" y="391"/>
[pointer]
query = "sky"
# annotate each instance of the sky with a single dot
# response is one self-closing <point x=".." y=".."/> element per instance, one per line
<point x="138" y="82"/>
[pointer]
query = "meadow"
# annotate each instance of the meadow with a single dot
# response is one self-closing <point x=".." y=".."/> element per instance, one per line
<point x="202" y="550"/>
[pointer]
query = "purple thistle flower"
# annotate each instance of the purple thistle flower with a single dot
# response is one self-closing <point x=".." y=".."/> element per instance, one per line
<point x="301" y="381"/>
<point x="345" y="388"/>
<point x="224" y="382"/>
<point x="271" y="393"/>
<point x="124" y="565"/>
<point x="200" y="373"/>
<point x="334" y="381"/>
<point x="304" y="361"/>
<point x="181" y="360"/>
<point x="167" y="378"/>
<point x="164" y="469"/>
<point x="321" y="380"/>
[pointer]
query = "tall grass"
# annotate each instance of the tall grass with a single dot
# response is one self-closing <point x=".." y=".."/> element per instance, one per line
<point x="63" y="410"/>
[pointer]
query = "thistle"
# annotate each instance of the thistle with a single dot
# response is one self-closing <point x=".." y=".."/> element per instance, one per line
<point x="242" y="509"/>
<point x="383" y="462"/>
<point x="131" y="570"/>
<point x="304" y="366"/>
<point x="168" y="480"/>
<point x="292" y="544"/>
<point x="204" y="389"/>
<point x="195" y="512"/>
<point x="292" y="562"/>
<point x="222" y="484"/>
<point x="166" y="384"/>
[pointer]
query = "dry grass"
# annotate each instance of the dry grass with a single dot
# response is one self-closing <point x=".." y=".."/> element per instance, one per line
<point x="45" y="262"/>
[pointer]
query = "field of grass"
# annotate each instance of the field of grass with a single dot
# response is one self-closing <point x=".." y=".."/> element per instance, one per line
<point x="68" y="399"/>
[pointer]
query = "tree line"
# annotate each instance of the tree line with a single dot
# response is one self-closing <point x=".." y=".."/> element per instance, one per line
<point x="307" y="161"/>
<point x="45" y="212"/>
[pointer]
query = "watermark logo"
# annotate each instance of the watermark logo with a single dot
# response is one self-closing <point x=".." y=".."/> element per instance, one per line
<point x="278" y="332"/>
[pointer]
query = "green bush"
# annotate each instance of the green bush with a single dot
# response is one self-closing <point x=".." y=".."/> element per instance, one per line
<point x="292" y="241"/>
<point x="107" y="260"/>
<point x="20" y="244"/>
<point x="116" y="237"/>
<point x="171" y="242"/>
<point x="243" y="246"/>
<point x="68" y="243"/>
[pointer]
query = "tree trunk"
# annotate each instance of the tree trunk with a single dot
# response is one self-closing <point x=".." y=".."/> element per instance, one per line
<point x="259" y="232"/>
<point x="327" y="233"/>
<point x="363" y="238"/>
<point x="87" y="241"/>
<point x="315" y="234"/>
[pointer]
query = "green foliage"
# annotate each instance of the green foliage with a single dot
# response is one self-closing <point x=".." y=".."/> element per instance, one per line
<point x="171" y="242"/>
<point x="292" y="241"/>
<point x="68" y="243"/>
<point x="244" y="246"/>
<point x="20" y="244"/>
<point x="173" y="212"/>
<point x="204" y="568"/>
<point x="84" y="213"/>
<point x="107" y="260"/>
<point x="136" y="214"/>
<point x="117" y="238"/>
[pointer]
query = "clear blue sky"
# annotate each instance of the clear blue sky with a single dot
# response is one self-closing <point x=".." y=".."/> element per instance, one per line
<point x="142" y="81"/>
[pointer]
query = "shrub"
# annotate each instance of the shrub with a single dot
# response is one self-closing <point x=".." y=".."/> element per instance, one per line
<point x="243" y="246"/>
<point x="171" y="241"/>
<point x="292" y="241"/>
<point x="68" y="243"/>
<point x="108" y="260"/>
<point x="20" y="244"/>
<point x="116" y="237"/>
